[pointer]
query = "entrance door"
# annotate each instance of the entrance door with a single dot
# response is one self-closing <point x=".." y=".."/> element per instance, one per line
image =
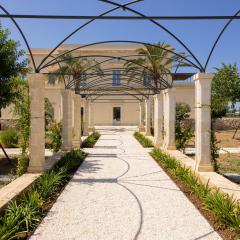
<point x="116" y="115"/>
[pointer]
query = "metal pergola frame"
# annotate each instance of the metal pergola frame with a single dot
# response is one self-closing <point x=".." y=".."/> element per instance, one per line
<point x="95" y="80"/>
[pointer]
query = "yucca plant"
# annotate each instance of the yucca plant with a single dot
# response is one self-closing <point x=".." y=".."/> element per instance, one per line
<point x="47" y="184"/>
<point x="223" y="206"/>
<point x="91" y="140"/>
<point x="145" y="142"/>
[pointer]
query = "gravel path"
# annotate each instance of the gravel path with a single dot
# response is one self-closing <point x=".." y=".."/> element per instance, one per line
<point x="120" y="193"/>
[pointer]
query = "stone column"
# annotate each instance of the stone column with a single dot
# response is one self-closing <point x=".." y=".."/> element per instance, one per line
<point x="86" y="118"/>
<point x="36" y="83"/>
<point x="91" y="125"/>
<point x="67" y="132"/>
<point x="203" y="121"/>
<point x="77" y="122"/>
<point x="141" y="117"/>
<point x="158" y="120"/>
<point x="169" y="118"/>
<point x="147" y="117"/>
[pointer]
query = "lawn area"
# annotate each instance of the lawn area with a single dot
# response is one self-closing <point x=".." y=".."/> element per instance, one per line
<point x="225" y="138"/>
<point x="229" y="163"/>
<point x="7" y="167"/>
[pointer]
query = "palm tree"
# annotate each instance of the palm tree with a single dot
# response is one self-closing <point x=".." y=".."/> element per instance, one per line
<point x="76" y="69"/>
<point x="154" y="64"/>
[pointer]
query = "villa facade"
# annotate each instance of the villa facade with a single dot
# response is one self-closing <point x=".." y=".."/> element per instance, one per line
<point x="119" y="104"/>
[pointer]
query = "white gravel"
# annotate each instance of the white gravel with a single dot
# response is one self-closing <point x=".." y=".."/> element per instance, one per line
<point x="120" y="193"/>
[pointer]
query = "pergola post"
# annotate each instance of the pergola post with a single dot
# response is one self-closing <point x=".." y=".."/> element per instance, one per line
<point x="91" y="125"/>
<point x="148" y="117"/>
<point x="86" y="118"/>
<point x="158" y="119"/>
<point x="141" y="117"/>
<point x="77" y="121"/>
<point x="36" y="83"/>
<point x="203" y="121"/>
<point x="169" y="118"/>
<point x="67" y="131"/>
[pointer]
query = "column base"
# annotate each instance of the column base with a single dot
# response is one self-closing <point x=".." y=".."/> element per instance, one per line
<point x="67" y="148"/>
<point x="141" y="129"/>
<point x="205" y="168"/>
<point x="76" y="143"/>
<point x="91" y="129"/>
<point x="158" y="143"/>
<point x="148" y="133"/>
<point x="35" y="169"/>
<point x="171" y="147"/>
<point x="85" y="133"/>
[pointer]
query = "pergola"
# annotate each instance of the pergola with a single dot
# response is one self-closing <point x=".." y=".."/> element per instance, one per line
<point x="163" y="95"/>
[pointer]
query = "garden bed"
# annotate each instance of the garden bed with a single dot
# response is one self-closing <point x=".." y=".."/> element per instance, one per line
<point x="145" y="142"/>
<point x="222" y="212"/>
<point x="91" y="140"/>
<point x="22" y="216"/>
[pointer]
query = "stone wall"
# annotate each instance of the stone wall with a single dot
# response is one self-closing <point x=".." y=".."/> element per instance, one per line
<point x="8" y="123"/>
<point x="220" y="123"/>
<point x="227" y="123"/>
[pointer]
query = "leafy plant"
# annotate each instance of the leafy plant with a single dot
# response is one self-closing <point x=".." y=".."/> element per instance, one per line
<point x="55" y="136"/>
<point x="22" y="110"/>
<point x="183" y="133"/>
<point x="145" y="142"/>
<point x="90" y="141"/>
<point x="49" y="181"/>
<point x="70" y="161"/>
<point x="9" y="138"/>
<point x="22" y="216"/>
<point x="154" y="64"/>
<point x="49" y="112"/>
<point x="224" y="207"/>
<point x="214" y="150"/>
<point x="13" y="64"/>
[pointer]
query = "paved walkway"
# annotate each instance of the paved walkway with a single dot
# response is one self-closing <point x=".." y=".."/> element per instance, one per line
<point x="120" y="193"/>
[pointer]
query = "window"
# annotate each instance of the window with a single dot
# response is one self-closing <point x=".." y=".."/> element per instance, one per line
<point x="52" y="79"/>
<point x="116" y="78"/>
<point x="83" y="80"/>
<point x="146" y="78"/>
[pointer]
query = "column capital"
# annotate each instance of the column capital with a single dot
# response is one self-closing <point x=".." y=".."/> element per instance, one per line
<point x="169" y="90"/>
<point x="158" y="96"/>
<point x="203" y="76"/>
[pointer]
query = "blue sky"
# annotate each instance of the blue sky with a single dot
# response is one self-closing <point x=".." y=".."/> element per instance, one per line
<point x="198" y="35"/>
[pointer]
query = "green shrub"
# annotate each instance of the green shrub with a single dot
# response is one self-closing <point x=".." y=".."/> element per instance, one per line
<point x="70" y="161"/>
<point x="22" y="216"/>
<point x="91" y="140"/>
<point x="9" y="138"/>
<point x="224" y="207"/>
<point x="183" y="133"/>
<point x="145" y="142"/>
<point x="48" y="183"/>
<point x="54" y="134"/>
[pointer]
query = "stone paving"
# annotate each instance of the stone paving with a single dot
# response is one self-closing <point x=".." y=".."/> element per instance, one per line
<point x="120" y="193"/>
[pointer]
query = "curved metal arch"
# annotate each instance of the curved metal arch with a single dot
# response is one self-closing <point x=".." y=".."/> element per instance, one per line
<point x="113" y="57"/>
<point x="22" y="34"/>
<point x="114" y="88"/>
<point x="50" y="63"/>
<point x="80" y="28"/>
<point x="96" y="83"/>
<point x="123" y="87"/>
<point x="218" y="38"/>
<point x="140" y="82"/>
<point x="104" y="94"/>
<point x="101" y="78"/>
<point x="107" y="92"/>
<point x="163" y="28"/>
